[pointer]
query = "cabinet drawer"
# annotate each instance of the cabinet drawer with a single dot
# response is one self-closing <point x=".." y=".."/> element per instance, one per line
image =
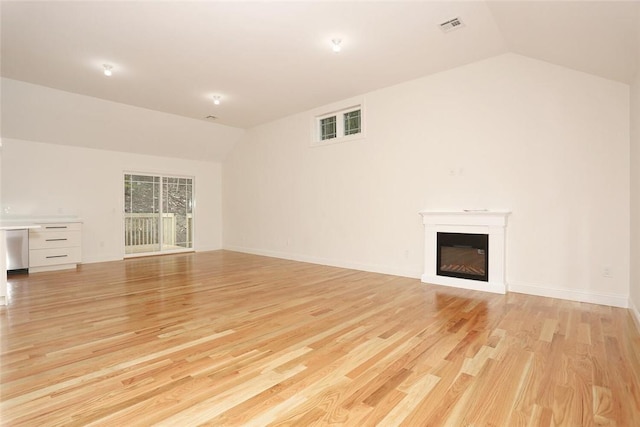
<point x="44" y="257"/>
<point x="60" y="226"/>
<point x="54" y="239"/>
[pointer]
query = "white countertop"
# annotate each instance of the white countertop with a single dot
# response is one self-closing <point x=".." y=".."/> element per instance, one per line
<point x="37" y="219"/>
<point x="17" y="225"/>
<point x="467" y="212"/>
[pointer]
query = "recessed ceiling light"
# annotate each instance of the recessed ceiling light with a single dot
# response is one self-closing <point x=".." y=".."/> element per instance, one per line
<point x="216" y="99"/>
<point x="107" y="69"/>
<point x="335" y="45"/>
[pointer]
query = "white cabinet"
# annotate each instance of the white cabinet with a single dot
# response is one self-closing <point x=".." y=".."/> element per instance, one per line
<point x="55" y="246"/>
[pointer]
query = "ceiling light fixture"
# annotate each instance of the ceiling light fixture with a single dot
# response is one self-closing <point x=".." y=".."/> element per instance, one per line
<point x="216" y="99"/>
<point x="107" y="69"/>
<point x="336" y="45"/>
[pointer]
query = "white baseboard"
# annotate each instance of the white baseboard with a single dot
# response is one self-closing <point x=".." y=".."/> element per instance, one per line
<point x="373" y="268"/>
<point x="121" y="256"/>
<point x="614" y="300"/>
<point x="93" y="260"/>
<point x="207" y="248"/>
<point x="634" y="313"/>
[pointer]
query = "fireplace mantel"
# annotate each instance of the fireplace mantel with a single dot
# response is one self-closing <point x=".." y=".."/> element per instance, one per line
<point x="492" y="223"/>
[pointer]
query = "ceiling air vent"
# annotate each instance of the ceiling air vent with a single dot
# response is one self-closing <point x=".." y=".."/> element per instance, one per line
<point x="451" y="24"/>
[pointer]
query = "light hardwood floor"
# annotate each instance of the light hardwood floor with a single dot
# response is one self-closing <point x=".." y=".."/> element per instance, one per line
<point x="223" y="338"/>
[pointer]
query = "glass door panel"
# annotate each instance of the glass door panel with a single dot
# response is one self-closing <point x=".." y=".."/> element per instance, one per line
<point x="177" y="218"/>
<point x="141" y="214"/>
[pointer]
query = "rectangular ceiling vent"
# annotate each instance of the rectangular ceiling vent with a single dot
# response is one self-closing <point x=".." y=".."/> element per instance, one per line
<point x="451" y="24"/>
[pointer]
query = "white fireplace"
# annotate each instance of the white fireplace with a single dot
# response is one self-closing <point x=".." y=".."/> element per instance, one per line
<point x="459" y="223"/>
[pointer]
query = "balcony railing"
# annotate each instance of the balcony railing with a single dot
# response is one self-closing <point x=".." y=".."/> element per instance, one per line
<point x="141" y="232"/>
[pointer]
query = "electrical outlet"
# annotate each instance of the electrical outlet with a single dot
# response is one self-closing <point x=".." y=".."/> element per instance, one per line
<point x="607" y="272"/>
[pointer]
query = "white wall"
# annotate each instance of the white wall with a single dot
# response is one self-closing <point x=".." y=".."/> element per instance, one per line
<point x="548" y="143"/>
<point x="49" y="179"/>
<point x="635" y="197"/>
<point x="634" y="297"/>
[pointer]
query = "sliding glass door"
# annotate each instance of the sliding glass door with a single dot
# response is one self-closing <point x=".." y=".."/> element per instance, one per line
<point x="158" y="214"/>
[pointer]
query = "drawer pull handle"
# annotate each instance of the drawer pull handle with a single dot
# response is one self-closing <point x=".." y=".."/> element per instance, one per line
<point x="55" y="240"/>
<point x="57" y="256"/>
<point x="57" y="226"/>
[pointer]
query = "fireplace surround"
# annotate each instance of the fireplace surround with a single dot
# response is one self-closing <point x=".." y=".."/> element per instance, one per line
<point x="465" y="253"/>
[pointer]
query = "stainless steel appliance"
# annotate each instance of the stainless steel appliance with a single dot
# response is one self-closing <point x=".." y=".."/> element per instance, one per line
<point x="17" y="249"/>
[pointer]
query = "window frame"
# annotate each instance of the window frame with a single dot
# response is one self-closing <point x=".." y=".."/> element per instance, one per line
<point x="345" y="119"/>
<point x="339" y="113"/>
<point x="321" y="127"/>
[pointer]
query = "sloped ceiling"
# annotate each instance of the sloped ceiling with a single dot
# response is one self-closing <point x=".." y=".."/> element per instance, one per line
<point x="271" y="59"/>
<point x="599" y="38"/>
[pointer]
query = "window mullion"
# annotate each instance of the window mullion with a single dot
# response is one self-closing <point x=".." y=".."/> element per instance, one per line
<point x="339" y="125"/>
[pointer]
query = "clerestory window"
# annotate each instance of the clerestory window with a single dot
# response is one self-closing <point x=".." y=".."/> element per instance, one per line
<point x="334" y="126"/>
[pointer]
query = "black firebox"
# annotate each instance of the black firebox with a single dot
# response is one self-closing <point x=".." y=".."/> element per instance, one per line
<point x="462" y="255"/>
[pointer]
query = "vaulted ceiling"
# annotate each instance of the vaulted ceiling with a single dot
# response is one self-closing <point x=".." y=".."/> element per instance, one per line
<point x="270" y="59"/>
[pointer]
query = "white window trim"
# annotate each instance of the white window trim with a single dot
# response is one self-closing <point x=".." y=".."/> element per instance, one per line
<point x="337" y="110"/>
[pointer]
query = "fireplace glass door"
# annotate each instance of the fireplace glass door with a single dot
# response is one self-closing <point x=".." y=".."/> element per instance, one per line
<point x="465" y="256"/>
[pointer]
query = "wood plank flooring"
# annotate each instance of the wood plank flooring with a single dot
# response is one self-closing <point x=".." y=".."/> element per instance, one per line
<point x="228" y="339"/>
